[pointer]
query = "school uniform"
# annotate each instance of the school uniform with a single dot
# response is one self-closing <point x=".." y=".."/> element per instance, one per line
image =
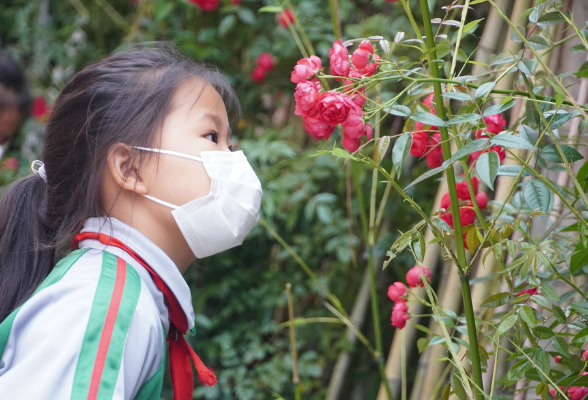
<point x="96" y="328"/>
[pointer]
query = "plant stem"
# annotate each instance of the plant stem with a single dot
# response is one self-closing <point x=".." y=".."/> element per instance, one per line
<point x="460" y="250"/>
<point x="334" y="9"/>
<point x="294" y="351"/>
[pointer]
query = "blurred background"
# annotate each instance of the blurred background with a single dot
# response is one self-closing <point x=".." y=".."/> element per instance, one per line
<point x="239" y="296"/>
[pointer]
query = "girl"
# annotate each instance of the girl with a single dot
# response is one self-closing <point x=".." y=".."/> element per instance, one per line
<point x="138" y="158"/>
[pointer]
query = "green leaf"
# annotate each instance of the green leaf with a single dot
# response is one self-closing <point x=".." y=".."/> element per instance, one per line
<point x="581" y="337"/>
<point x="474" y="145"/>
<point x="578" y="48"/>
<point x="515" y="37"/>
<point x="537" y="195"/>
<point x="538" y="42"/>
<point x="487" y="167"/>
<point x="580" y="306"/>
<point x="543" y="332"/>
<point x="246" y="15"/>
<point x="337" y="152"/>
<point x="500" y="61"/>
<point x="497" y="300"/>
<point x="559" y="314"/>
<point x="506" y="324"/>
<point x="550" y="153"/>
<point x="483" y="89"/>
<point x="583" y="71"/>
<point x="511" y="141"/>
<point x="556" y="118"/>
<point x="526" y="66"/>
<point x="457" y="96"/>
<point x="426" y="175"/>
<point x="397" y="109"/>
<point x="471" y="118"/>
<point x="163" y="10"/>
<point x="227" y="24"/>
<point x="457" y="387"/>
<point x="428" y="118"/>
<point x="549" y="292"/>
<point x="401" y="150"/>
<point x="583" y="176"/>
<point x="499" y="108"/>
<point x="574" y="380"/>
<point x="512" y="170"/>
<point x="270" y="9"/>
<point x="528" y="315"/>
<point x="470" y="26"/>
<point x="561" y="346"/>
<point x="381" y="148"/>
<point x="579" y="259"/>
<point x="542" y="361"/>
<point x="549" y="19"/>
<point x="529" y="134"/>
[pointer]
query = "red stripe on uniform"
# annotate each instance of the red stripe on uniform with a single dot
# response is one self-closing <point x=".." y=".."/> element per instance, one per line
<point x="119" y="284"/>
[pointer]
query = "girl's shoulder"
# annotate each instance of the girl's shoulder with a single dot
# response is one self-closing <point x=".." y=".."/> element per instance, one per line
<point x="94" y="316"/>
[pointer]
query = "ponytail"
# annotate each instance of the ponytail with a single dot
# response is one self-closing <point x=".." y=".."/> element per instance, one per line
<point x="26" y="251"/>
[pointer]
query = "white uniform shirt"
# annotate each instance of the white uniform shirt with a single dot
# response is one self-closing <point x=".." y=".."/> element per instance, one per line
<point x="50" y="341"/>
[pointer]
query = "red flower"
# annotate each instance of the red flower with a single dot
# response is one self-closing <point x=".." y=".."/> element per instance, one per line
<point x="40" y="108"/>
<point x="531" y="292"/>
<point x="445" y="201"/>
<point x="413" y="276"/>
<point x="305" y="68"/>
<point x="396" y="291"/>
<point x="495" y="123"/>
<point x="258" y="74"/>
<point x="266" y="61"/>
<point x="206" y="5"/>
<point x="339" y="59"/>
<point x="467" y="214"/>
<point x="354" y="126"/>
<point x="285" y="17"/>
<point x="360" y="57"/>
<point x="306" y="96"/>
<point x="499" y="149"/>
<point x="463" y="192"/>
<point x="577" y="392"/>
<point x="448" y="218"/>
<point x="482" y="200"/>
<point x="434" y="155"/>
<point x="334" y="107"/>
<point x="9" y="164"/>
<point x="372" y="67"/>
<point x="557" y="359"/>
<point x="585" y="355"/>
<point x="399" y="314"/>
<point x="357" y="96"/>
<point x="317" y="128"/>
<point x="350" y="143"/>
<point x="428" y="102"/>
<point x="420" y="141"/>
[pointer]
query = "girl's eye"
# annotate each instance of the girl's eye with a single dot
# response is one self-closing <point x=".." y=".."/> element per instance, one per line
<point x="212" y="137"/>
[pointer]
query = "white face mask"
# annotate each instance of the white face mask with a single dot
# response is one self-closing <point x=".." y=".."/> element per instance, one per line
<point x="221" y="219"/>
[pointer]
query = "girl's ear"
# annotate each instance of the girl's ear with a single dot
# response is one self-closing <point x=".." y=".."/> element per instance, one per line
<point x="123" y="165"/>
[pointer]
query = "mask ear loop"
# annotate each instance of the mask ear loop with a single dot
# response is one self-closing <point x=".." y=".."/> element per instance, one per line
<point x="173" y="153"/>
<point x="163" y="203"/>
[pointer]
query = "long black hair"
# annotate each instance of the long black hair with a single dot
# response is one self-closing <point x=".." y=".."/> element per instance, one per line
<point x="120" y="99"/>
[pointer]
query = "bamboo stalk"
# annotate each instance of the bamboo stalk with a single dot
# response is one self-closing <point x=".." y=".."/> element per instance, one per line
<point x="490" y="39"/>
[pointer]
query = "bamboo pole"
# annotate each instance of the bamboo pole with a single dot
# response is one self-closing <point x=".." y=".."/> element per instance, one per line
<point x="490" y="39"/>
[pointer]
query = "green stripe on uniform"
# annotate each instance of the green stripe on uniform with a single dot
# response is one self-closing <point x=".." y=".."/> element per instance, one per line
<point x="151" y="390"/>
<point x="100" y="305"/>
<point x="54" y="276"/>
<point x="128" y="303"/>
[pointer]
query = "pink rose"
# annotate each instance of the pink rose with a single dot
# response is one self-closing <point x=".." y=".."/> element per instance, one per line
<point x="495" y="123"/>
<point x="317" y="128"/>
<point x="286" y="17"/>
<point x="585" y="355"/>
<point x="354" y="126"/>
<point x="372" y="67"/>
<point x="396" y="291"/>
<point x="482" y="200"/>
<point x="577" y="393"/>
<point x="351" y="144"/>
<point x="266" y="61"/>
<point x="368" y="131"/>
<point x="334" y="107"/>
<point x="360" y="57"/>
<point x="206" y="5"/>
<point x="434" y="155"/>
<point x="306" y="96"/>
<point x="413" y="276"/>
<point x="258" y="74"/>
<point x="305" y="68"/>
<point x="420" y="140"/>
<point x="339" y="58"/>
<point x="399" y="315"/>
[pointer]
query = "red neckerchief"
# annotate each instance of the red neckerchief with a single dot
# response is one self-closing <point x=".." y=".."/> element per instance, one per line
<point x="180" y="351"/>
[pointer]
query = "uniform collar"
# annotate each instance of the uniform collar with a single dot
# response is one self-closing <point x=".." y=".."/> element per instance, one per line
<point x="146" y="249"/>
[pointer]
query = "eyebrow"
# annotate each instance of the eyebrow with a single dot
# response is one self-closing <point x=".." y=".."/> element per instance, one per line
<point x="217" y="120"/>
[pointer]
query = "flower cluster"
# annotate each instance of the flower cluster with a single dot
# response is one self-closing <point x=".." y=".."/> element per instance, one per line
<point x="467" y="214"/>
<point x="322" y="111"/>
<point x="495" y="124"/>
<point x="265" y="63"/>
<point x="575" y="392"/>
<point x="397" y="292"/>
<point x="424" y="144"/>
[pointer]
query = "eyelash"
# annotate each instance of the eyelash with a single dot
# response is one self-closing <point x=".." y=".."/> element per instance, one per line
<point x="215" y="135"/>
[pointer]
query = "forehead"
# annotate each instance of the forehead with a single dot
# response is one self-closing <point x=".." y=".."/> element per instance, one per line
<point x="196" y="99"/>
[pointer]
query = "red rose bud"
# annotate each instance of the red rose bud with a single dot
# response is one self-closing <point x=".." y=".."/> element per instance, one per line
<point x="360" y="57"/>
<point x="396" y="291"/>
<point x="482" y="199"/>
<point x="285" y="17"/>
<point x="266" y="61"/>
<point x="258" y="74"/>
<point x="399" y="314"/>
<point x="413" y="276"/>
<point x="558" y="359"/>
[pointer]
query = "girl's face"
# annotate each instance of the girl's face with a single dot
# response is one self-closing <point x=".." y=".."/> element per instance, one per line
<point x="197" y="122"/>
